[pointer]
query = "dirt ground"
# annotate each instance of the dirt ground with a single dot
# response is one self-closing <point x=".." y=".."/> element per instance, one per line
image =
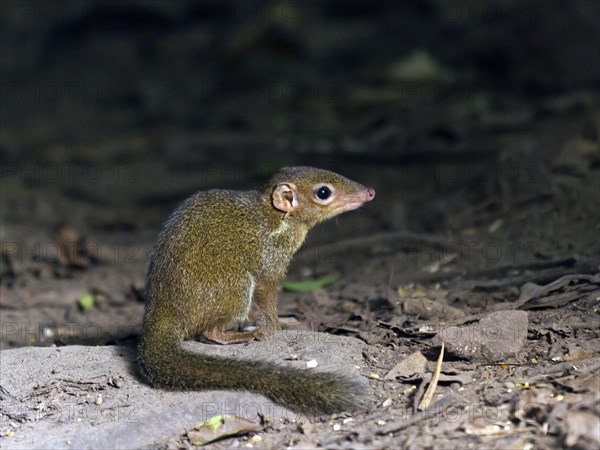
<point x="477" y="123"/>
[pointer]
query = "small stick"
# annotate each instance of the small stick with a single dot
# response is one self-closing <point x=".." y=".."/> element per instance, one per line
<point x="539" y="291"/>
<point x="434" y="381"/>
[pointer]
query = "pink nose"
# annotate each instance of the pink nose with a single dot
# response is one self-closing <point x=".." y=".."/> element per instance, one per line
<point x="370" y="194"/>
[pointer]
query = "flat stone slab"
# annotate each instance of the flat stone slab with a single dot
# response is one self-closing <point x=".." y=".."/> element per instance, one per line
<point x="91" y="397"/>
<point x="495" y="338"/>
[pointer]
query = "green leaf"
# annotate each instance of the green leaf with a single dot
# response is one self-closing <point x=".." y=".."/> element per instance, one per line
<point x="214" y="422"/>
<point x="310" y="285"/>
<point x="219" y="427"/>
<point x="86" y="302"/>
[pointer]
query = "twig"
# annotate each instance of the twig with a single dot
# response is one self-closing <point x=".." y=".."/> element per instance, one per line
<point x="555" y="285"/>
<point x="472" y="280"/>
<point x="555" y="300"/>
<point x="402" y="424"/>
<point x="434" y="381"/>
<point x="427" y="377"/>
<point x="369" y="241"/>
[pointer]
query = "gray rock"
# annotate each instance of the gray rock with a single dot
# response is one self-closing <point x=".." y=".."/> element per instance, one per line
<point x="499" y="336"/>
<point x="91" y="397"/>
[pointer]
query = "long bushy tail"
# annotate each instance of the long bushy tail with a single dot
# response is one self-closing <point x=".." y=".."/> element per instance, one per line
<point x="164" y="363"/>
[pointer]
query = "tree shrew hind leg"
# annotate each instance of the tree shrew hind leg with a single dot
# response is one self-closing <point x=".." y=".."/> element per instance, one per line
<point x="265" y="298"/>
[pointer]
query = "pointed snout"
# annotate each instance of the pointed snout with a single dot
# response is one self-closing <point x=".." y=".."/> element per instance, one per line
<point x="357" y="198"/>
<point x="370" y="194"/>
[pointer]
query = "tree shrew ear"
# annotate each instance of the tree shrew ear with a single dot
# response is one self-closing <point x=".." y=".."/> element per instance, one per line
<point x="285" y="197"/>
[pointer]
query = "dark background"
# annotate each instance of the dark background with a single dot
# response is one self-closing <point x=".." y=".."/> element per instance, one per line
<point x="124" y="108"/>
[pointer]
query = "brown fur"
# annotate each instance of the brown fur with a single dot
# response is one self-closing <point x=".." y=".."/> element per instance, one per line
<point x="219" y="252"/>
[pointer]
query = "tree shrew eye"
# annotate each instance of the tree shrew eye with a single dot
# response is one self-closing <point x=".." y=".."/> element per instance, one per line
<point x="323" y="192"/>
